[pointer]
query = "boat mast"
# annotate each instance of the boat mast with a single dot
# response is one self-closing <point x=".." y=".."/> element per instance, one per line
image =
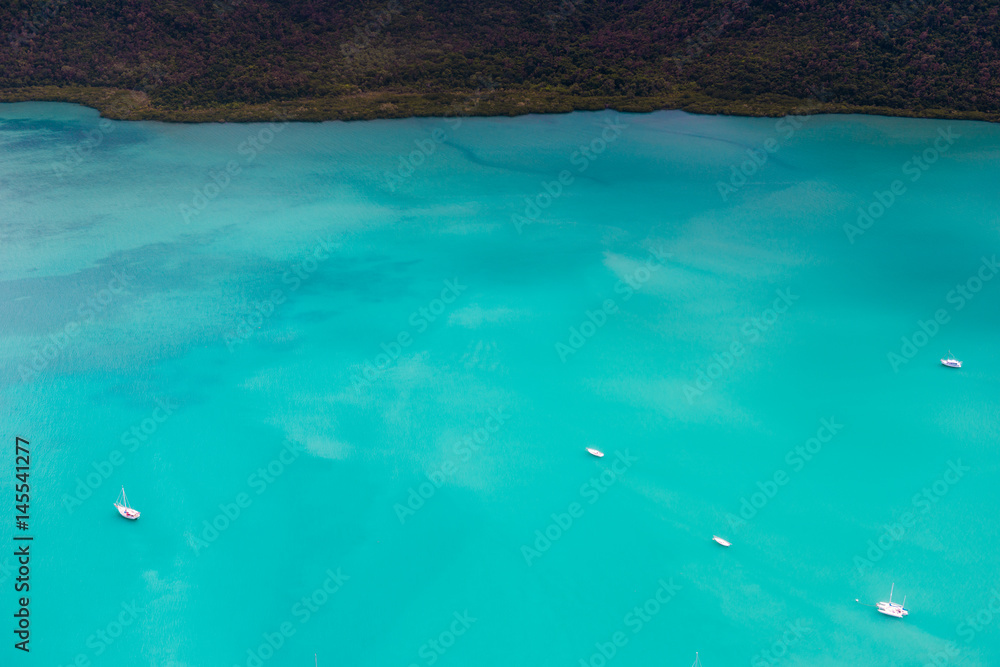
<point x="890" y="592"/>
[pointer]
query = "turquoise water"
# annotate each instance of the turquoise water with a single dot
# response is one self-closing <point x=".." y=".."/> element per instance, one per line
<point x="384" y="385"/>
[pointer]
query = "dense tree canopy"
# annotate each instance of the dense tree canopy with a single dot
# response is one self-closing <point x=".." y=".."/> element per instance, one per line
<point x="912" y="55"/>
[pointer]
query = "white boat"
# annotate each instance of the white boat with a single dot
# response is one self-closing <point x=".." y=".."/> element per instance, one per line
<point x="891" y="608"/>
<point x="697" y="662"/>
<point x="124" y="508"/>
<point x="595" y="452"/>
<point x="951" y="361"/>
<point x="721" y="541"/>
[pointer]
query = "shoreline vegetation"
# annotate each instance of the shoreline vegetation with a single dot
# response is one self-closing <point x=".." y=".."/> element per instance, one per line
<point x="120" y="104"/>
<point x="260" y="60"/>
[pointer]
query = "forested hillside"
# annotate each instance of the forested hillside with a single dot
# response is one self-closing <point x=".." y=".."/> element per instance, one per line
<point x="388" y="57"/>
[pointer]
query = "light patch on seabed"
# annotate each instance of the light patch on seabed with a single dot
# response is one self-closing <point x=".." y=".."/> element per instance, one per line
<point x="475" y="316"/>
<point x="666" y="396"/>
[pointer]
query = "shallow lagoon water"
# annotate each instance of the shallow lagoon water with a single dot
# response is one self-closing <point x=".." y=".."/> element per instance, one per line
<point x="222" y="355"/>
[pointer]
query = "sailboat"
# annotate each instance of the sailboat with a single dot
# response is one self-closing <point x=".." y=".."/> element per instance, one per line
<point x="951" y="361"/>
<point x="891" y="608"/>
<point x="124" y="508"/>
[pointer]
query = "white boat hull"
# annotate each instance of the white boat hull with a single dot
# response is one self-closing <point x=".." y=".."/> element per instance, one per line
<point x="127" y="512"/>
<point x="894" y="610"/>
<point x="719" y="540"/>
<point x="595" y="452"/>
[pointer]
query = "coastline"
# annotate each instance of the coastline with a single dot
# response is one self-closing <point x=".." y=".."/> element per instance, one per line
<point x="118" y="104"/>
